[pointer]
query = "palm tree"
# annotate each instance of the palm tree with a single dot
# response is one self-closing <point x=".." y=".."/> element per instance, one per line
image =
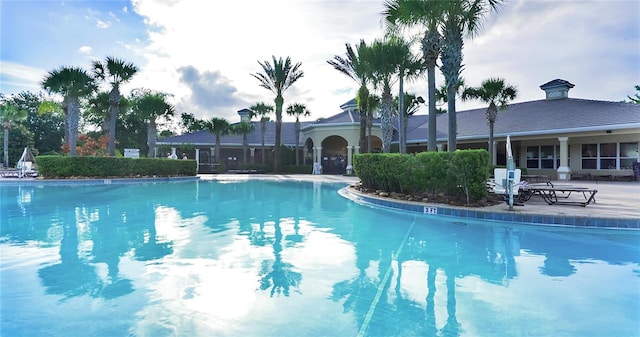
<point x="9" y="114"/>
<point x="410" y="13"/>
<point x="117" y="72"/>
<point x="149" y="106"/>
<point x="409" y="67"/>
<point x="72" y="83"/>
<point x="461" y="17"/>
<point x="277" y="78"/>
<point x="384" y="60"/>
<point x="409" y="107"/>
<point x="496" y="93"/>
<point x="262" y="110"/>
<point x="356" y="67"/>
<point x="243" y="128"/>
<point x="219" y="127"/>
<point x="298" y="110"/>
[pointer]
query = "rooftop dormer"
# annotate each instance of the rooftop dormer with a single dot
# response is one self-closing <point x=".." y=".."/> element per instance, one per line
<point x="557" y="89"/>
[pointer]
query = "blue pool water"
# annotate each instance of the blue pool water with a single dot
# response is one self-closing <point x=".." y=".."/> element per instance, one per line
<point x="268" y="258"/>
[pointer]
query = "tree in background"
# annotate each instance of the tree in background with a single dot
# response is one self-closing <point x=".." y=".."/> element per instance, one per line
<point x="117" y="72"/>
<point x="73" y="84"/>
<point x="356" y="66"/>
<point x="219" y="127"/>
<point x="496" y="93"/>
<point x="151" y="106"/>
<point x="635" y="98"/>
<point x="243" y="128"/>
<point x="45" y="122"/>
<point x="277" y="77"/>
<point x="298" y="110"/>
<point x="261" y="110"/>
<point x="9" y="114"/>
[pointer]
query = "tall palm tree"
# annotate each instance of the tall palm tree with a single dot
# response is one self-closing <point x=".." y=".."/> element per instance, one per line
<point x="117" y="72"/>
<point x="385" y="58"/>
<point x="409" y="67"/>
<point x="72" y="83"/>
<point x="219" y="127"/>
<point x="243" y="128"/>
<point x="261" y="110"/>
<point x="461" y="17"/>
<point x="298" y="110"/>
<point x="423" y="13"/>
<point x="356" y="66"/>
<point x="409" y="107"/>
<point x="277" y="77"/>
<point x="9" y="114"/>
<point x="495" y="92"/>
<point x="149" y="106"/>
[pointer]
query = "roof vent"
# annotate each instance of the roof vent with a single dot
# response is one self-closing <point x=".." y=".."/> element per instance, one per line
<point x="557" y="89"/>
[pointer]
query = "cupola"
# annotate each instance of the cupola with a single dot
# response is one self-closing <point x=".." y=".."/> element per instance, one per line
<point x="557" y="89"/>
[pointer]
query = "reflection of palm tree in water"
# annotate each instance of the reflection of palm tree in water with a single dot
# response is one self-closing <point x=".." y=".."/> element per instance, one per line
<point x="278" y="275"/>
<point x="71" y="277"/>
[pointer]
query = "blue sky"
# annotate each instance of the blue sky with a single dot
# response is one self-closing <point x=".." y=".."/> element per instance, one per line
<point x="203" y="52"/>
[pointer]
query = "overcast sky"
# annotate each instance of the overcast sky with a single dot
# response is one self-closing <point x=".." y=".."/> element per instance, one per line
<point x="203" y="52"/>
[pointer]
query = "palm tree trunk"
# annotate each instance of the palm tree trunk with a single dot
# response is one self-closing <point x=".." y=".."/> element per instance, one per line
<point x="431" y="50"/>
<point x="491" y="160"/>
<point x="244" y="148"/>
<point x="276" y="153"/>
<point x="114" y="107"/>
<point x="217" y="151"/>
<point x="74" y="122"/>
<point x="386" y="108"/>
<point x="401" y="113"/>
<point x="297" y="140"/>
<point x="6" y="143"/>
<point x="151" y="137"/>
<point x="451" y="67"/>
<point x="263" y="129"/>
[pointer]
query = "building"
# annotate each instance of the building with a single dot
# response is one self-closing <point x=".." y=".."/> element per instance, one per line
<point x="558" y="136"/>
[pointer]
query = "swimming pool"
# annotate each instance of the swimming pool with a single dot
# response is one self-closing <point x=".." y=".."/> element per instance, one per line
<point x="273" y="258"/>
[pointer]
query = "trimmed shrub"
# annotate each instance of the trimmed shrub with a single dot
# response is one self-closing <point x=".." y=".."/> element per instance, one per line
<point x="103" y="167"/>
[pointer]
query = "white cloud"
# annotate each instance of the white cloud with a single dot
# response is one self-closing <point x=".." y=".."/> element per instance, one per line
<point x="85" y="50"/>
<point x="20" y="76"/>
<point x="102" y="24"/>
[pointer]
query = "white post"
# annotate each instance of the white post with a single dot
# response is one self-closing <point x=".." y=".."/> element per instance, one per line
<point x="564" y="172"/>
<point x="439" y="147"/>
<point x="349" y="165"/>
<point x="198" y="159"/>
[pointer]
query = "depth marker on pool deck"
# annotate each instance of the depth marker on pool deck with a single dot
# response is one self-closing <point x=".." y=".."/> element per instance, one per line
<point x="385" y="279"/>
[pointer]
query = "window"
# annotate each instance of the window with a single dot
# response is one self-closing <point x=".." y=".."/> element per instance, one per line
<point x="589" y="156"/>
<point x="609" y="156"/>
<point x="628" y="155"/>
<point x="543" y="157"/>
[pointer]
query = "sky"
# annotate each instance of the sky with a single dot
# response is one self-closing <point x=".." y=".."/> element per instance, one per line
<point x="204" y="52"/>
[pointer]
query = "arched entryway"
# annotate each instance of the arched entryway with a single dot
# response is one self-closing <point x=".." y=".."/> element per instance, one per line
<point x="376" y="144"/>
<point x="334" y="155"/>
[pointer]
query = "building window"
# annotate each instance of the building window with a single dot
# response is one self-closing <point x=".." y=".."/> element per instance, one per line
<point x="543" y="157"/>
<point x="609" y="156"/>
<point x="628" y="155"/>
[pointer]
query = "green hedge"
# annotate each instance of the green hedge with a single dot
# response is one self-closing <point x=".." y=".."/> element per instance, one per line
<point x="103" y="167"/>
<point x="462" y="174"/>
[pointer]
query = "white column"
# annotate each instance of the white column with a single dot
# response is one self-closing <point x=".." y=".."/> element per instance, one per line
<point x="439" y="147"/>
<point x="198" y="159"/>
<point x="356" y="149"/>
<point x="253" y="155"/>
<point x="349" y="165"/>
<point x="564" y="172"/>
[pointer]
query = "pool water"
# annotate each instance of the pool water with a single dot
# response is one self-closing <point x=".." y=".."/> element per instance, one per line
<point x="274" y="258"/>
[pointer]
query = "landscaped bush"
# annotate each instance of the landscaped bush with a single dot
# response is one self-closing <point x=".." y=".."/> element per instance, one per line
<point x="297" y="169"/>
<point x="104" y="167"/>
<point x="459" y="175"/>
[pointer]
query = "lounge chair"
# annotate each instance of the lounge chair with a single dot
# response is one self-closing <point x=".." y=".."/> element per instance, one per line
<point x="559" y="194"/>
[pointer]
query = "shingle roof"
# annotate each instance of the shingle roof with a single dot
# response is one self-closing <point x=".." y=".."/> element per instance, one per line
<point x="528" y="118"/>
